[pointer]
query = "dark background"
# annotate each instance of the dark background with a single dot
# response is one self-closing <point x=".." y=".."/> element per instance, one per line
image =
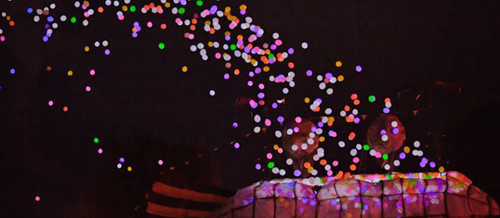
<point x="141" y="103"/>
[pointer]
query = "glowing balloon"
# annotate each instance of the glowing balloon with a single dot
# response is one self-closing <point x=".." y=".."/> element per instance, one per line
<point x="392" y="140"/>
<point x="298" y="143"/>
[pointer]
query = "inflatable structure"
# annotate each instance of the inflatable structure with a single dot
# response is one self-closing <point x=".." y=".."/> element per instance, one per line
<point x="448" y="194"/>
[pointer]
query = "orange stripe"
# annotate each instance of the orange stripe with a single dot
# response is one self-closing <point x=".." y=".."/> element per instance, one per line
<point x="165" y="211"/>
<point x="173" y="192"/>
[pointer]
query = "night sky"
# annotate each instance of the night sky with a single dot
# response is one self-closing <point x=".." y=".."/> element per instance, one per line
<point x="141" y="103"/>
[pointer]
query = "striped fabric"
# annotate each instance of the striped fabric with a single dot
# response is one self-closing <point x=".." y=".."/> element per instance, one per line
<point x="169" y="201"/>
<point x="191" y="190"/>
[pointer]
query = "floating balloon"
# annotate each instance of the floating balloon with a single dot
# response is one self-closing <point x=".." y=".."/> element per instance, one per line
<point x="300" y="142"/>
<point x="386" y="134"/>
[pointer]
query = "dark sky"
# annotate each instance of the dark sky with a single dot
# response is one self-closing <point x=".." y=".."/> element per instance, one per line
<point x="141" y="102"/>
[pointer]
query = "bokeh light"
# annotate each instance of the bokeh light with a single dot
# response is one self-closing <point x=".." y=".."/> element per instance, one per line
<point x="161" y="45"/>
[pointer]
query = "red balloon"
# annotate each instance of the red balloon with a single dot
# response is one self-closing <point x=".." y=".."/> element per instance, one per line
<point x="384" y="125"/>
<point x="299" y="138"/>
